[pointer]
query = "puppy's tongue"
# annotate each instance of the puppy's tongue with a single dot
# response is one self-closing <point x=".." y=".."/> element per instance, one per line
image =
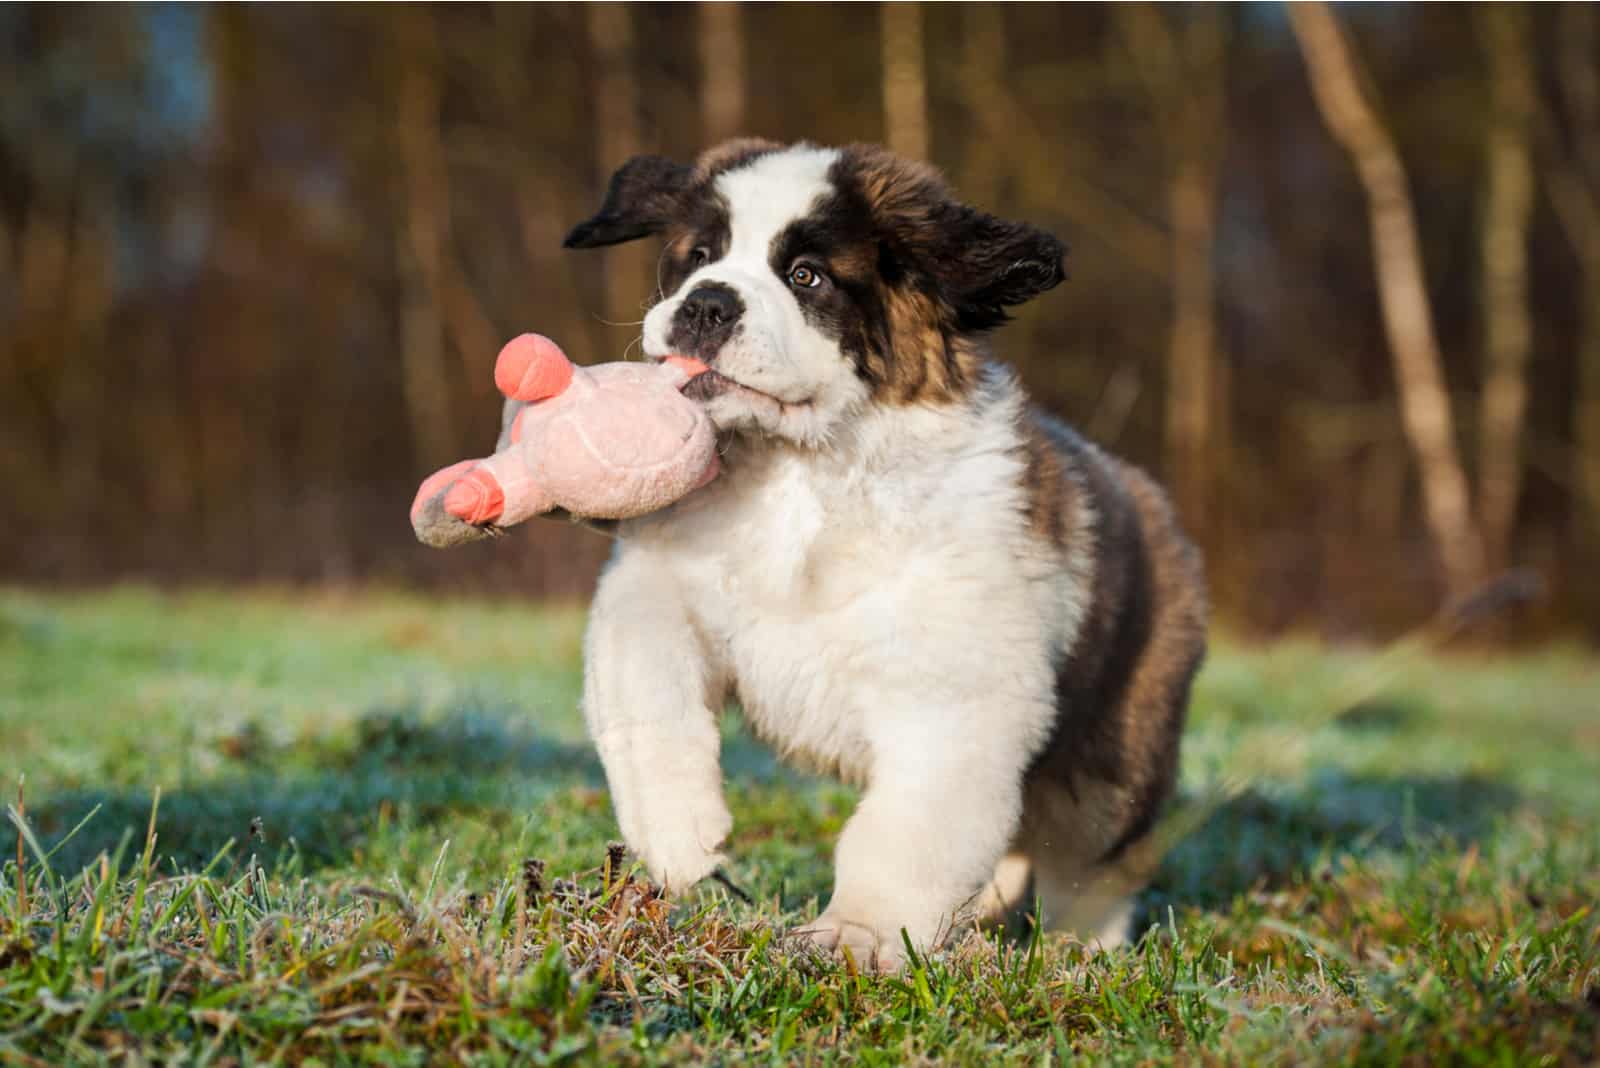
<point x="687" y="364"/>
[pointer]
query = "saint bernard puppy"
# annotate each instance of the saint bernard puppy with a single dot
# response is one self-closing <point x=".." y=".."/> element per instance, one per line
<point x="905" y="575"/>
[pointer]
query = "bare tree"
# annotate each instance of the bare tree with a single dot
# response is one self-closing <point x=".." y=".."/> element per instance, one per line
<point x="1002" y="125"/>
<point x="1508" y="328"/>
<point x="1571" y="171"/>
<point x="538" y="186"/>
<point x="82" y="399"/>
<point x="419" y="243"/>
<point x="722" y="60"/>
<point x="428" y="219"/>
<point x="983" y="67"/>
<point x="1408" y="319"/>
<point x="1184" y="75"/>
<point x="617" y="137"/>
<point x="905" y="80"/>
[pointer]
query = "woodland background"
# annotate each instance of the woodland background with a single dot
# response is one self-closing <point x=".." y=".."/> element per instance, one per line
<point x="1335" y="272"/>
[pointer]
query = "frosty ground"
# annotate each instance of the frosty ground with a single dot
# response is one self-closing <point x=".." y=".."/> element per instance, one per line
<point x="380" y="836"/>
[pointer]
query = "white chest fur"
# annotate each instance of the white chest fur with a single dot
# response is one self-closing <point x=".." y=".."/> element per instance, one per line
<point x="832" y="587"/>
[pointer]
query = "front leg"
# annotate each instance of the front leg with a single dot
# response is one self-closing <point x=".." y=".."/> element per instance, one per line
<point x="648" y="700"/>
<point x="943" y="803"/>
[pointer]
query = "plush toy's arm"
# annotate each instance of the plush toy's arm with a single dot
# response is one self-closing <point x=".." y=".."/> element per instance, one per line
<point x="436" y="514"/>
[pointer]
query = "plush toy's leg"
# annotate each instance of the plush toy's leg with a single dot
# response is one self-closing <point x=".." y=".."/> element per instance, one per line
<point x="532" y="368"/>
<point x="499" y="491"/>
<point x="433" y="524"/>
<point x="651" y="692"/>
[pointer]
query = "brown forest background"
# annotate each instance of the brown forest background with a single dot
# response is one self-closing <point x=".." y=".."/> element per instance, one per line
<point x="1335" y="272"/>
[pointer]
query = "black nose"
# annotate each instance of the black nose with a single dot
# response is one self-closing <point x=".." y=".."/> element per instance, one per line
<point x="705" y="319"/>
<point x="710" y="306"/>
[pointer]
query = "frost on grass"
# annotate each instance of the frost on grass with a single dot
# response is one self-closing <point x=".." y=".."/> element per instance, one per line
<point x="1412" y="882"/>
<point x="235" y="964"/>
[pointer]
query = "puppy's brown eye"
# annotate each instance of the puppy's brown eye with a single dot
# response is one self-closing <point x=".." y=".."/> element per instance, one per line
<point x="805" y="276"/>
<point x="699" y="256"/>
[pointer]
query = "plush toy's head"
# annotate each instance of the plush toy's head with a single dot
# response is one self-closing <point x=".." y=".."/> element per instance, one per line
<point x="619" y="441"/>
<point x="615" y="441"/>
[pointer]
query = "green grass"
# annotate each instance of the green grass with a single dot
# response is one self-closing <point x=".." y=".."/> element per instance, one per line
<point x="1390" y="858"/>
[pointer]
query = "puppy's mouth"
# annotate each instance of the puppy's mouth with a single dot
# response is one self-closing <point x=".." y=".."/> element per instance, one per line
<point x="709" y="384"/>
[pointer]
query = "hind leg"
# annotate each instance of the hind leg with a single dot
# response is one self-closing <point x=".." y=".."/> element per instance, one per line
<point x="1006" y="893"/>
<point x="1092" y="903"/>
<point x="1081" y="892"/>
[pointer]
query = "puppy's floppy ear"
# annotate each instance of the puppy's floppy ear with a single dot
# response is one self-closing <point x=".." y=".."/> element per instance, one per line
<point x="985" y="264"/>
<point x="980" y="264"/>
<point x="640" y="200"/>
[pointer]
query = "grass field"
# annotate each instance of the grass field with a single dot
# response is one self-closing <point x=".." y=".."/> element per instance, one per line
<point x="1389" y="858"/>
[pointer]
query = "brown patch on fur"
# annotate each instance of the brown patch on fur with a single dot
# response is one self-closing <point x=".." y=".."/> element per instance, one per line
<point x="928" y="365"/>
<point x="1048" y="498"/>
<point x="1158" y="698"/>
<point x="730" y="155"/>
<point x="1122" y="690"/>
<point x="907" y="188"/>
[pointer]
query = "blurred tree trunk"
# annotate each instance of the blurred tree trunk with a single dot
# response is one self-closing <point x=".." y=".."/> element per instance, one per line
<point x="722" y="67"/>
<point x="629" y="281"/>
<point x="419" y="242"/>
<point x="1408" y="319"/>
<point x="905" y="80"/>
<point x="1572" y="178"/>
<point x="538" y="185"/>
<point x="81" y="399"/>
<point x="1185" y="76"/>
<point x="43" y="259"/>
<point x="983" y="71"/>
<point x="1508" y="215"/>
<point x="1000" y="121"/>
<point x="226" y="483"/>
<point x="426" y="174"/>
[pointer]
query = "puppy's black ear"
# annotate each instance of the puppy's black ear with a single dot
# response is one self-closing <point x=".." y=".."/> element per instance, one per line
<point x="641" y="199"/>
<point x="987" y="264"/>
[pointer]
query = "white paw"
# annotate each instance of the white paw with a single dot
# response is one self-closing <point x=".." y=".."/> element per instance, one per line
<point x="681" y="853"/>
<point x="872" y="950"/>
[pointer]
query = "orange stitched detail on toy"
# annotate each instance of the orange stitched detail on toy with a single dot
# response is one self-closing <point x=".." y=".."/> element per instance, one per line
<point x="531" y="368"/>
<point x="438" y="481"/>
<point x="476" y="499"/>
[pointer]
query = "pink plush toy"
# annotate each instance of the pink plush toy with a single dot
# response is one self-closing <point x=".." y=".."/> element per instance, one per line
<point x="609" y="442"/>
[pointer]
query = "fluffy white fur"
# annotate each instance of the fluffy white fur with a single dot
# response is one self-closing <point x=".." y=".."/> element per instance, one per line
<point x="862" y="577"/>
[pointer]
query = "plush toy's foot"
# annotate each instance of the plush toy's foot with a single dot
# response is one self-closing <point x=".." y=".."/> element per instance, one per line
<point x="477" y="498"/>
<point x="438" y="481"/>
<point x="436" y="527"/>
<point x="532" y="368"/>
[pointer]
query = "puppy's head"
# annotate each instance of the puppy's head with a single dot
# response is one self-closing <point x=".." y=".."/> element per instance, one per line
<point x="817" y="281"/>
